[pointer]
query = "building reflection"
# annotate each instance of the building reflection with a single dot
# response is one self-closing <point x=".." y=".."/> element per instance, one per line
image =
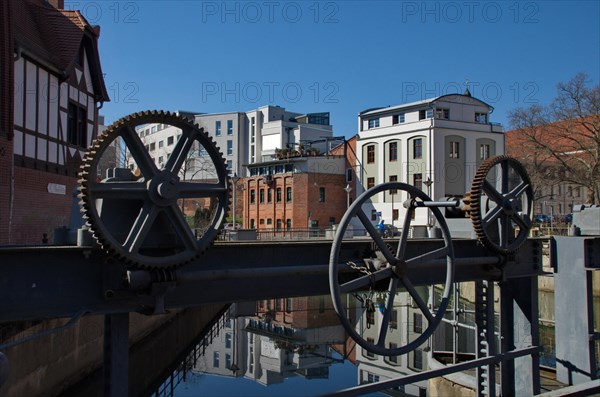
<point x="406" y="324"/>
<point x="279" y="339"/>
<point x="270" y="340"/>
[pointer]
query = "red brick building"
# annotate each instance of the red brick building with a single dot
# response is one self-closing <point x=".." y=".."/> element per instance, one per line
<point x="556" y="190"/>
<point x="51" y="84"/>
<point x="294" y="193"/>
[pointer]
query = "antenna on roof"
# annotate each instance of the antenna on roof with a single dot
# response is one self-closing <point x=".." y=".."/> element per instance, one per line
<point x="467" y="92"/>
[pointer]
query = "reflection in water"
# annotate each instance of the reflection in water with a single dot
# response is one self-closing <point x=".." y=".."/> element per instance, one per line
<point x="295" y="346"/>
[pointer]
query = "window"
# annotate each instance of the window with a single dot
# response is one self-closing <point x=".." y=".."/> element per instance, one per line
<point x="288" y="224"/>
<point x="218" y="128"/>
<point x="418" y="181"/>
<point x="370" y="182"/>
<point x="393" y="178"/>
<point x="484" y="152"/>
<point x="288" y="194"/>
<point x="418" y="148"/>
<point x="370" y="154"/>
<point x="279" y="224"/>
<point x="228" y="340"/>
<point x="393" y="151"/>
<point x="77" y="126"/>
<point x="261" y="196"/>
<point x="154" y="129"/>
<point x="160" y="159"/>
<point x="252" y="224"/>
<point x="229" y="166"/>
<point x="454" y="150"/>
<point x="262" y="222"/>
<point x="425" y="114"/>
<point x="394" y="319"/>
<point x="442" y="113"/>
<point x="374" y="123"/>
<point x="321" y="195"/>
<point x="170" y="141"/>
<point x="278" y="195"/>
<point x="481" y="118"/>
<point x="331" y="220"/>
<point x="418" y="359"/>
<point x="269" y="195"/>
<point x="228" y="361"/>
<point x="152" y="146"/>
<point x="229" y="127"/>
<point x="229" y="147"/>
<point x="369" y="340"/>
<point x="417" y="323"/>
<point x="349" y="175"/>
<point x="269" y="221"/>
<point x="393" y="359"/>
<point x="288" y="305"/>
<point x="252" y="196"/>
<point x="398" y="118"/>
<point x="372" y="378"/>
<point x="216" y="356"/>
<point x="161" y="144"/>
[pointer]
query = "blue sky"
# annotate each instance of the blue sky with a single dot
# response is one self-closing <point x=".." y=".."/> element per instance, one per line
<point x="338" y="56"/>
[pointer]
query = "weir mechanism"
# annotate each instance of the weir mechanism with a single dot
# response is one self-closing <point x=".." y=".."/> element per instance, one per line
<point x="150" y="259"/>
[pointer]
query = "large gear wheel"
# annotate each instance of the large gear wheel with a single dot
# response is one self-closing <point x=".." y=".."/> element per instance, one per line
<point x="500" y="203"/>
<point x="143" y="215"/>
<point x="374" y="331"/>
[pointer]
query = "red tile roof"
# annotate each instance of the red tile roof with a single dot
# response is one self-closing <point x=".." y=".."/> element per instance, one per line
<point x="54" y="37"/>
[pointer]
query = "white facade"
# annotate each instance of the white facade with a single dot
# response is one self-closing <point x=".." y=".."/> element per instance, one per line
<point x="54" y="121"/>
<point x="440" y="140"/>
<point x="243" y="138"/>
<point x="273" y="127"/>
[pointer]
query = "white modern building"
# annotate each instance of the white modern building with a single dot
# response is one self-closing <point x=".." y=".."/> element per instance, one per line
<point x="273" y="127"/>
<point x="243" y="138"/>
<point x="434" y="144"/>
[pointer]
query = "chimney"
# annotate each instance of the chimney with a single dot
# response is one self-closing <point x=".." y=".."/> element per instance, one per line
<point x="60" y="4"/>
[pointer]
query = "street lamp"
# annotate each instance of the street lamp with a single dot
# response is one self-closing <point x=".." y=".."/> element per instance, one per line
<point x="235" y="180"/>
<point x="428" y="183"/>
<point x="348" y="189"/>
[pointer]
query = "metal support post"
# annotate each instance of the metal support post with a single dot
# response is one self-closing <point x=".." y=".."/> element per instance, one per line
<point x="576" y="261"/>
<point x="519" y="329"/>
<point x="486" y="339"/>
<point x="116" y="355"/>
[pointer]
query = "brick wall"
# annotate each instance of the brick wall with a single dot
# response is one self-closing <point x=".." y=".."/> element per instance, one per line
<point x="305" y="198"/>
<point x="35" y="210"/>
<point x="6" y="150"/>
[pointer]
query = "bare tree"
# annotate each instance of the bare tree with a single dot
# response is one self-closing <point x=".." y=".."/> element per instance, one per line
<point x="560" y="143"/>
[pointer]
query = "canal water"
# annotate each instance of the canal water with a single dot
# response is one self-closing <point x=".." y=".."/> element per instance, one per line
<point x="297" y="347"/>
<point x="284" y="347"/>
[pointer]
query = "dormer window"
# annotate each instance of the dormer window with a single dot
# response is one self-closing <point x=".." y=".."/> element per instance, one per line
<point x="442" y="113"/>
<point x="481" y="118"/>
<point x="398" y="118"/>
<point x="374" y="123"/>
<point x="425" y="114"/>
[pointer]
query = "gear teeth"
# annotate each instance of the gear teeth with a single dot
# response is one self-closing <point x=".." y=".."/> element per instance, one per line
<point x="473" y="204"/>
<point x="88" y="170"/>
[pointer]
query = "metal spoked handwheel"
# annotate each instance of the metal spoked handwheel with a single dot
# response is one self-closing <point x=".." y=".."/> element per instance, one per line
<point x="393" y="268"/>
<point x="140" y="217"/>
<point x="501" y="199"/>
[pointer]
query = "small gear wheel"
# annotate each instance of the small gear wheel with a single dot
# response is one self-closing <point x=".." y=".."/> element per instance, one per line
<point x="154" y="216"/>
<point x="500" y="204"/>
